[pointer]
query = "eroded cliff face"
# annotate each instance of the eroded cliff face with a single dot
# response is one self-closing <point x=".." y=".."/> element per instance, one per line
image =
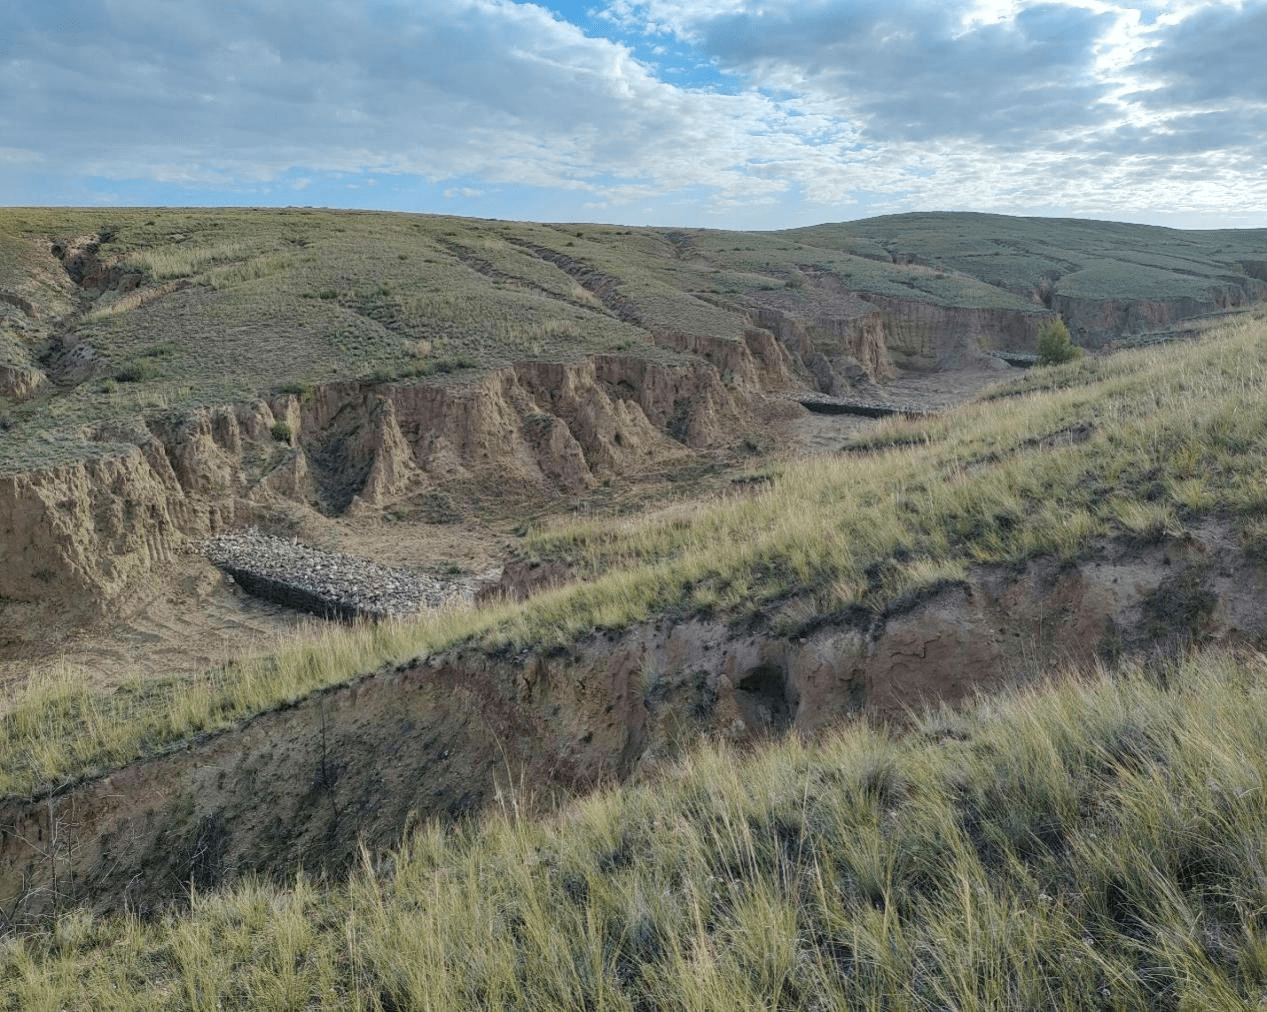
<point x="75" y="534"/>
<point x="845" y="340"/>
<point x="1093" y="323"/>
<point x="556" y="427"/>
<point x="922" y="335"/>
<point x="435" y="737"/>
<point x="28" y="315"/>
<point x="840" y="353"/>
<point x="79" y="533"/>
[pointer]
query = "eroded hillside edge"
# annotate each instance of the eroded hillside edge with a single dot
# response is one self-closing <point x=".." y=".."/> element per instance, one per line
<point x="439" y="736"/>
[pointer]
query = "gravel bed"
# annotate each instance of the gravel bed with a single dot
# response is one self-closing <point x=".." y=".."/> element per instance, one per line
<point x="327" y="583"/>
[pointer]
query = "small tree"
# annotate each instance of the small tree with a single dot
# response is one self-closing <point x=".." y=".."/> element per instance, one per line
<point x="1054" y="345"/>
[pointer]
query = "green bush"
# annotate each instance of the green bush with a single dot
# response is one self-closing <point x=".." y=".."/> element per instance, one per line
<point x="135" y="371"/>
<point x="1054" y="344"/>
<point x="281" y="432"/>
<point x="304" y="391"/>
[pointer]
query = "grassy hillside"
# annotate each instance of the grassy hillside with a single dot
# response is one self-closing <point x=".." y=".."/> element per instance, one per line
<point x="1095" y="844"/>
<point x="1060" y="256"/>
<point x="1145" y="442"/>
<point x="229" y="305"/>
<point x="181" y="308"/>
<point x="149" y="309"/>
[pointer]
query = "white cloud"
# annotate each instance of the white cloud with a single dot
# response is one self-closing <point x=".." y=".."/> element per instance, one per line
<point x="1090" y="106"/>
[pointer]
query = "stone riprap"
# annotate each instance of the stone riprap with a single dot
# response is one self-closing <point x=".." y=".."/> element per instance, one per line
<point x="824" y="404"/>
<point x="327" y="583"/>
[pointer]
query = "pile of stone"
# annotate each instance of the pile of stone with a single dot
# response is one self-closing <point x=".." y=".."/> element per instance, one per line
<point x="326" y="583"/>
<point x="825" y="404"/>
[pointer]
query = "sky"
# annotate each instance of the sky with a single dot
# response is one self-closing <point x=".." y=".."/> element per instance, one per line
<point x="746" y="114"/>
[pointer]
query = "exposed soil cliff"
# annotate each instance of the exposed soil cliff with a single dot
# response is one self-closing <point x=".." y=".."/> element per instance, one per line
<point x="1095" y="322"/>
<point x="75" y="534"/>
<point x="432" y="738"/>
<point x="78" y="533"/>
<point x="846" y="340"/>
<point x="921" y="335"/>
<point x="79" y="257"/>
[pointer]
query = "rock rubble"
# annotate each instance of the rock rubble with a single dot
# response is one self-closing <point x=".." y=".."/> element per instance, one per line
<point x="327" y="583"/>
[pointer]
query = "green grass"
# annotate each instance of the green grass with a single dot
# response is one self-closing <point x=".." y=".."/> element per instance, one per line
<point x="1072" y="257"/>
<point x="1171" y="435"/>
<point x="1092" y="843"/>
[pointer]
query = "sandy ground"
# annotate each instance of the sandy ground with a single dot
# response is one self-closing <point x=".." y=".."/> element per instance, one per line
<point x="190" y="617"/>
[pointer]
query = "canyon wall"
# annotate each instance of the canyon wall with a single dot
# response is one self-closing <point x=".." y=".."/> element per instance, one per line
<point x="76" y="533"/>
<point x="1093" y="323"/>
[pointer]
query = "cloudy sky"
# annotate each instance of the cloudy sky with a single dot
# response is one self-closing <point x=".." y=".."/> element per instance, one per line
<point x="728" y="113"/>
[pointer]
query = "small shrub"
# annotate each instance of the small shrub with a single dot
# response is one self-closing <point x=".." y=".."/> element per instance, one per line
<point x="1054" y="344"/>
<point x="304" y="391"/>
<point x="281" y="432"/>
<point x="164" y="349"/>
<point x="135" y="371"/>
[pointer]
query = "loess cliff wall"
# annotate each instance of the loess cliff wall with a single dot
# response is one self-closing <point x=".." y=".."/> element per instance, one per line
<point x="74" y="535"/>
<point x="1094" y="323"/>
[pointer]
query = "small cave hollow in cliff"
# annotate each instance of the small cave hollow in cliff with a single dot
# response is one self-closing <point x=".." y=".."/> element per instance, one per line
<point x="762" y="698"/>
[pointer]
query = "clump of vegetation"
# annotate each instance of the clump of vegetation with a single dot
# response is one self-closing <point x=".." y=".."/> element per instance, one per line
<point x="304" y="391"/>
<point x="1055" y="347"/>
<point x="184" y="260"/>
<point x="281" y="432"/>
<point x="136" y="370"/>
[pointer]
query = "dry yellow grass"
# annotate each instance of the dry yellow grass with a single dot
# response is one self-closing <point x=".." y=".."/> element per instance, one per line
<point x="1095" y="842"/>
